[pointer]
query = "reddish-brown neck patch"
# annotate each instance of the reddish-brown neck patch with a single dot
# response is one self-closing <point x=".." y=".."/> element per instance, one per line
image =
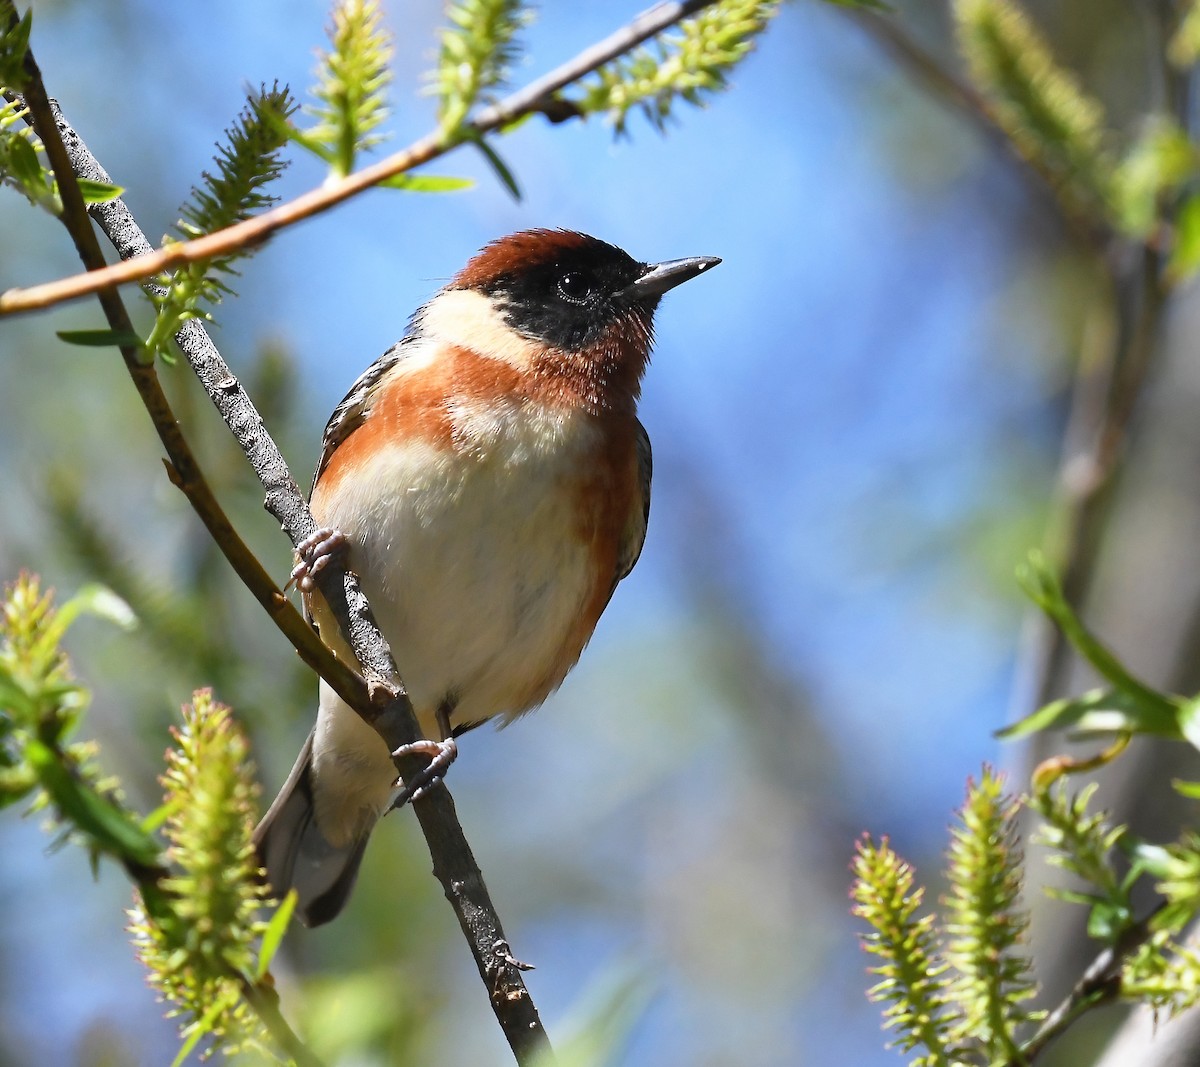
<point x="607" y="377"/>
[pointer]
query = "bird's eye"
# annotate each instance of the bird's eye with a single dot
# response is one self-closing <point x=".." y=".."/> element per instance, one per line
<point x="574" y="286"/>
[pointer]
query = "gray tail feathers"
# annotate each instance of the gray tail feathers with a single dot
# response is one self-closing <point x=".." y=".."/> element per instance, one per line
<point x="297" y="855"/>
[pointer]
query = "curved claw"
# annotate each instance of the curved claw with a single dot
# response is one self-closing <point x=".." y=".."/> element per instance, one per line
<point x="314" y="552"/>
<point x="441" y="754"/>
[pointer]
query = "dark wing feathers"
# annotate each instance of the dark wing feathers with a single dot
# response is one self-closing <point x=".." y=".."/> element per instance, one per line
<point x="635" y="530"/>
<point x="356" y="404"/>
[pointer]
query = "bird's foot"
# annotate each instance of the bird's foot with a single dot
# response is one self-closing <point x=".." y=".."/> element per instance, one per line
<point x="313" y="553"/>
<point x="441" y="754"/>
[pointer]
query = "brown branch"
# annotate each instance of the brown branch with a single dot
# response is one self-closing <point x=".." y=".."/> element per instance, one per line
<point x="1109" y="381"/>
<point x="384" y="705"/>
<point x="538" y="97"/>
<point x="265" y="1002"/>
<point x="1099" y="984"/>
<point x="1110" y="373"/>
<point x="389" y="712"/>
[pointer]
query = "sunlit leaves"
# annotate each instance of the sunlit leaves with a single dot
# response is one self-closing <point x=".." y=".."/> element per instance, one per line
<point x="478" y="51"/>
<point x="351" y="90"/>
<point x="201" y="943"/>
<point x="688" y="64"/>
<point x="246" y="163"/>
<point x="1039" y="104"/>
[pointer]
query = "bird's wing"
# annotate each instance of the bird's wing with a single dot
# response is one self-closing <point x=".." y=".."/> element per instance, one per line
<point x="356" y="404"/>
<point x="639" y="515"/>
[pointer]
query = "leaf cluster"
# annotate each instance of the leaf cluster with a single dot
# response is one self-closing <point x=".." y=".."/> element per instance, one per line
<point x="1146" y="189"/>
<point x="23" y="166"/>
<point x="41" y="707"/>
<point x="351" y="89"/>
<point x="205" y="944"/>
<point x="197" y="925"/>
<point x="245" y="164"/>
<point x="689" y="64"/>
<point x="478" y="51"/>
<point x="957" y="984"/>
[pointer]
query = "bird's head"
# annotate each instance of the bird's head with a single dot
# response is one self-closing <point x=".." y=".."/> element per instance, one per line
<point x="572" y="312"/>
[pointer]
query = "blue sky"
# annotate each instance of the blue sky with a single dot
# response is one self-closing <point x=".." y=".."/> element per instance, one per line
<point x="851" y="429"/>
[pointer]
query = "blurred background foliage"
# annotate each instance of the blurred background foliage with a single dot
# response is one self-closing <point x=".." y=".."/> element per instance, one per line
<point x="857" y="432"/>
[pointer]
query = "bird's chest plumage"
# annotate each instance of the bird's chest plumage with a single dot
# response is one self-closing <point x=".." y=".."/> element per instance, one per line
<point x="487" y="549"/>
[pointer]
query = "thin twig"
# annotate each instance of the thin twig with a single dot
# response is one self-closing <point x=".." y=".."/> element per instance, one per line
<point x="383" y="704"/>
<point x="1109" y="379"/>
<point x="265" y="1002"/>
<point x="1104" y="397"/>
<point x="1099" y="984"/>
<point x="453" y="860"/>
<point x="537" y="97"/>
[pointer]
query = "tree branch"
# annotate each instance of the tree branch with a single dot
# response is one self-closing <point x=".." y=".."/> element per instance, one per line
<point x="384" y="704"/>
<point x="538" y="97"/>
<point x="1099" y="984"/>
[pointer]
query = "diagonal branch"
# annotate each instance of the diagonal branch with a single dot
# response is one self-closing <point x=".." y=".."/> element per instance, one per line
<point x="383" y="704"/>
<point x="539" y="96"/>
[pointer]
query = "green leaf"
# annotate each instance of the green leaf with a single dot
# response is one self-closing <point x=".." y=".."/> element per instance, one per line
<point x="1191" y="790"/>
<point x="1185" y="254"/>
<point x="1188" y="718"/>
<point x="1107" y="922"/>
<point x="108" y="827"/>
<point x="95" y="192"/>
<point x="25" y="167"/>
<point x="500" y="167"/>
<point x="102" y="603"/>
<point x="1097" y="711"/>
<point x="426" y="183"/>
<point x="197" y="1031"/>
<point x="1154" y="712"/>
<point x="1151" y="859"/>
<point x="14" y="44"/>
<point x="273" y="934"/>
<point x="100" y="338"/>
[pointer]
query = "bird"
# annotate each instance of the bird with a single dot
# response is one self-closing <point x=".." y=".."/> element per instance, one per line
<point x="488" y="480"/>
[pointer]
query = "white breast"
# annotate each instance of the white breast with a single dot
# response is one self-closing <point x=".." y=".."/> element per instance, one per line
<point x="471" y="558"/>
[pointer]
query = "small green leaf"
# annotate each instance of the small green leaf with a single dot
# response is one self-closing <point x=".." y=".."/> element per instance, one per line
<point x="1097" y="711"/>
<point x="102" y="603"/>
<point x="500" y="167"/>
<point x="1150" y="859"/>
<point x="1153" y="711"/>
<point x="14" y="44"/>
<point x="95" y="192"/>
<point x="1191" y="790"/>
<point x="426" y="183"/>
<point x="108" y="827"/>
<point x="197" y="1031"/>
<point x="159" y="816"/>
<point x="1188" y="717"/>
<point x="1185" y="255"/>
<point x="1107" y="921"/>
<point x="273" y="934"/>
<point x="100" y="338"/>
<point x="25" y="167"/>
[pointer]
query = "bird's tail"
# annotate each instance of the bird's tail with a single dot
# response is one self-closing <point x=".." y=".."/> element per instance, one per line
<point x="296" y="855"/>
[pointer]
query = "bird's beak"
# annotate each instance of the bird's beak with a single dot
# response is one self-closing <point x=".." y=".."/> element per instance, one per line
<point x="657" y="278"/>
